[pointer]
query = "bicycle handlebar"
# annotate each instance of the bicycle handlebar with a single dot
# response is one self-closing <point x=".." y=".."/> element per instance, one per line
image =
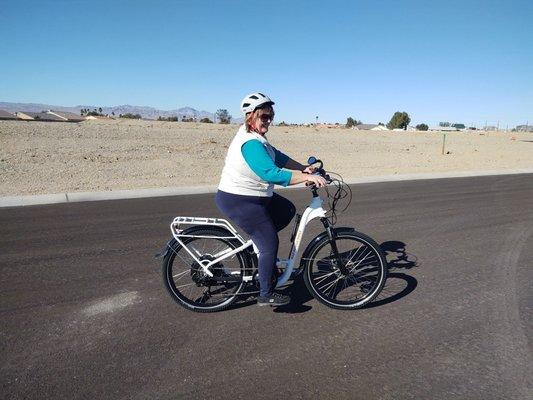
<point x="342" y="189"/>
<point x="319" y="171"/>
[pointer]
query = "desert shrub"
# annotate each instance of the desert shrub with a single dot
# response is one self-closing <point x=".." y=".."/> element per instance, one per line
<point x="130" y="116"/>
<point x="170" y="119"/>
<point x="206" y="120"/>
<point x="422" y="127"/>
<point x="95" y="112"/>
<point x="223" y="116"/>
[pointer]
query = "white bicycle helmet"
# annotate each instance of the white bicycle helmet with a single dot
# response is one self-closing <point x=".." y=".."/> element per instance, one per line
<point x="253" y="101"/>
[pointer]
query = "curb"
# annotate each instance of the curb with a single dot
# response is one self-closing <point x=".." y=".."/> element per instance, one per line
<point x="440" y="175"/>
<point x="41" y="199"/>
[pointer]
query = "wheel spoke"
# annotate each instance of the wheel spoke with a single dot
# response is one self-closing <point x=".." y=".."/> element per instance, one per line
<point x="185" y="285"/>
<point x="333" y="290"/>
<point x="180" y="275"/>
<point x="328" y="285"/>
<point x="203" y="246"/>
<point x="219" y="246"/>
<point x="356" y="251"/>
<point x="205" y="296"/>
<point x="186" y="262"/>
<point x="323" y="277"/>
<point x="363" y="259"/>
<point x="344" y="284"/>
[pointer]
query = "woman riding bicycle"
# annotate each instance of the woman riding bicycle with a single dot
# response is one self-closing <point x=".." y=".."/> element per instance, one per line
<point x="245" y="192"/>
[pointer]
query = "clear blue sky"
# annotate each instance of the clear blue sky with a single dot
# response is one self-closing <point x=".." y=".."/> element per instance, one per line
<point x="459" y="61"/>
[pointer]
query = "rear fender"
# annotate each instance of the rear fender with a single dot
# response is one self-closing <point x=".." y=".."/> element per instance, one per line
<point x="163" y="253"/>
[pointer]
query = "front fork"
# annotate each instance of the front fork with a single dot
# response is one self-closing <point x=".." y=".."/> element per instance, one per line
<point x="332" y="240"/>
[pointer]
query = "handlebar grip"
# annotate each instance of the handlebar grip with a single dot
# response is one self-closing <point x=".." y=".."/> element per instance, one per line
<point x="321" y="172"/>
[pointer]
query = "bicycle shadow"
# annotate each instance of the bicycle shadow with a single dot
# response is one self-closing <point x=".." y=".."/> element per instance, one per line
<point x="397" y="286"/>
<point x="397" y="255"/>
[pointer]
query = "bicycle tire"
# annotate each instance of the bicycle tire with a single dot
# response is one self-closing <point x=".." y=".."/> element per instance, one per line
<point x="177" y="261"/>
<point x="367" y="264"/>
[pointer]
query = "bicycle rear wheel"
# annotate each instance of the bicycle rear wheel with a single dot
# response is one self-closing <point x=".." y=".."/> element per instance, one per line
<point x="360" y="255"/>
<point x="185" y="279"/>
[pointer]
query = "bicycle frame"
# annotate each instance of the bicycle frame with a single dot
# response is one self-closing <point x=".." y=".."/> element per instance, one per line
<point x="313" y="210"/>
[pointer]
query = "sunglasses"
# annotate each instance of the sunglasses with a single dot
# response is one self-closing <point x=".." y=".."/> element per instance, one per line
<point x="266" y="118"/>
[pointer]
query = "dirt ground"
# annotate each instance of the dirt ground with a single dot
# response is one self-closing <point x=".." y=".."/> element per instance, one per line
<point x="47" y="157"/>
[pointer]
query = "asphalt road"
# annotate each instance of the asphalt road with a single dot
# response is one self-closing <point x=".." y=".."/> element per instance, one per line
<point x="84" y="313"/>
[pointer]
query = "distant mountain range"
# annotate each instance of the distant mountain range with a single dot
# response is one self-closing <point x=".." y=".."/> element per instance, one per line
<point x="145" y="112"/>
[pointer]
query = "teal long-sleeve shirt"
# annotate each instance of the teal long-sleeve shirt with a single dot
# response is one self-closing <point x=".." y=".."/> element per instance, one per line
<point x="256" y="156"/>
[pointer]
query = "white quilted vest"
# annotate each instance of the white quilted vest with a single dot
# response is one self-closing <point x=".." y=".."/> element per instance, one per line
<point x="237" y="177"/>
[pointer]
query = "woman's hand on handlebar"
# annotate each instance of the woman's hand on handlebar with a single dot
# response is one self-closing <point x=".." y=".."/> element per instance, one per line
<point x="316" y="180"/>
<point x="309" y="169"/>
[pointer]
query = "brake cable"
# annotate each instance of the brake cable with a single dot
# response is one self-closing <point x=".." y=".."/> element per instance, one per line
<point x="341" y="191"/>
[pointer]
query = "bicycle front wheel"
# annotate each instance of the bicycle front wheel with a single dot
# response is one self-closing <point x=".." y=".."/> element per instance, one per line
<point x="364" y="261"/>
<point x="186" y="280"/>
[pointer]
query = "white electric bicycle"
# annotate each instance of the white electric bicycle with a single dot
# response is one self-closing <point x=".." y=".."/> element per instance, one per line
<point x="207" y="265"/>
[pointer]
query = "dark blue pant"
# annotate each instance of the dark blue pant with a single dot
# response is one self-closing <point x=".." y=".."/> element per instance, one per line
<point x="261" y="218"/>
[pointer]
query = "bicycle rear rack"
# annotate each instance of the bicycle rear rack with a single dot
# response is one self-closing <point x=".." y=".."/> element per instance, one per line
<point x="178" y="222"/>
<point x="178" y="234"/>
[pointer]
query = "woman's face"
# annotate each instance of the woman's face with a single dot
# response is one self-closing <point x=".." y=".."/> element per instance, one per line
<point x="263" y="118"/>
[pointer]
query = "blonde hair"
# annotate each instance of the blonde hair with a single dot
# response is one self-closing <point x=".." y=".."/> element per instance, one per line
<point x="257" y="113"/>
